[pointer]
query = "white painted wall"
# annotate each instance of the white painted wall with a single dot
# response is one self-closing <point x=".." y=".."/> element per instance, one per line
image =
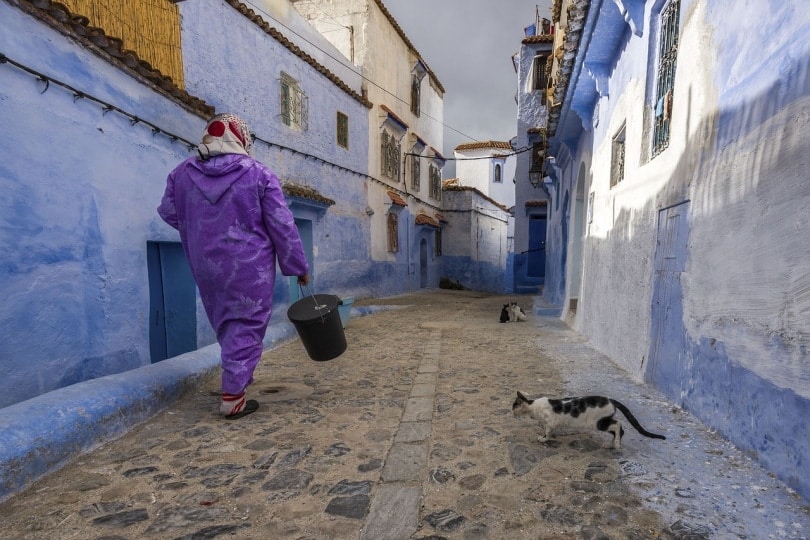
<point x="386" y="61"/>
<point x="476" y="168"/>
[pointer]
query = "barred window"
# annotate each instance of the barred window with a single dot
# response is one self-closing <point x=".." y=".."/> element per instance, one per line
<point x="497" y="174"/>
<point x="617" y="158"/>
<point x="539" y="79"/>
<point x="416" y="93"/>
<point x="391" y="150"/>
<point x="294" y="104"/>
<point x="342" y="130"/>
<point x="393" y="233"/>
<point x="665" y="82"/>
<point x="435" y="182"/>
<point x="416" y="171"/>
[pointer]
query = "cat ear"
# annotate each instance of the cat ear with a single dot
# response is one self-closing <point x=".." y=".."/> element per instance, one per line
<point x="521" y="396"/>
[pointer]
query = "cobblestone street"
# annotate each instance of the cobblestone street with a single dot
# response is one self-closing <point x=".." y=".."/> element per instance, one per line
<point x="409" y="435"/>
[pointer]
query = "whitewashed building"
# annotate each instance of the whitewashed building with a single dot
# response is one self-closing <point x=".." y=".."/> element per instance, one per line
<point x="404" y="135"/>
<point x="680" y="192"/>
<point x="531" y="211"/>
<point x="488" y="166"/>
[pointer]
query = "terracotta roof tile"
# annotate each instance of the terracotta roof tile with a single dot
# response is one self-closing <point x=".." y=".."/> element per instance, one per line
<point x="424" y="219"/>
<point x="540" y="38"/>
<point x="441" y="218"/>
<point x="501" y="145"/>
<point x="305" y="192"/>
<point x="395" y="197"/>
<point x="77" y="26"/>
<point x="536" y="203"/>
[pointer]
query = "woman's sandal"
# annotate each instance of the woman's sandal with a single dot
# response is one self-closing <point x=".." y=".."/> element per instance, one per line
<point x="251" y="406"/>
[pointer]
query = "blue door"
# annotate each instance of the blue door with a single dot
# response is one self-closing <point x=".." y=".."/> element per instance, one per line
<point x="172" y="301"/>
<point x="536" y="262"/>
<point x="667" y="365"/>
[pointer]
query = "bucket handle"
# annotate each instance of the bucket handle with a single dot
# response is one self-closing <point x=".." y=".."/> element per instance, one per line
<point x="318" y="307"/>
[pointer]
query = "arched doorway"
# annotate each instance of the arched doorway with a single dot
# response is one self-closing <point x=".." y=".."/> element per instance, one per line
<point x="577" y="241"/>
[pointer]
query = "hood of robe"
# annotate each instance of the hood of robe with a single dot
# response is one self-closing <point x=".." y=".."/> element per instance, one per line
<point x="214" y="176"/>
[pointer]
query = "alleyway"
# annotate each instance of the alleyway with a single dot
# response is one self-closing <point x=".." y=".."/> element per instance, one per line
<point x="409" y="435"/>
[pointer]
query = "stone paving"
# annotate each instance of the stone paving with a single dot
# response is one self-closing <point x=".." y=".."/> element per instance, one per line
<point x="409" y="435"/>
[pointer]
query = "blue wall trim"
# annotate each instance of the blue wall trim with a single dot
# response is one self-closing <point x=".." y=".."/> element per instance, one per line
<point x="762" y="419"/>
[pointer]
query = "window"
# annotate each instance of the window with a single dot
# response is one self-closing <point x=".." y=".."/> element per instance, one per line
<point x="538" y="157"/>
<point x="393" y="233"/>
<point x="539" y="80"/>
<point x="416" y="92"/>
<point x="435" y="182"/>
<point x="390" y="156"/>
<point x="294" y="104"/>
<point x="665" y="81"/>
<point x="342" y="130"/>
<point x="497" y="174"/>
<point x="437" y="244"/>
<point x="416" y="171"/>
<point x="617" y="158"/>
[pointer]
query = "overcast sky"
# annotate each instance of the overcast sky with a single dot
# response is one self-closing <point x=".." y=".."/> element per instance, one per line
<point x="469" y="46"/>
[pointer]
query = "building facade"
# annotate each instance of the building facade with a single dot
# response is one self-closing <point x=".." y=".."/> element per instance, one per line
<point x="405" y="131"/>
<point x="679" y="193"/>
<point x="94" y="282"/>
<point x="531" y="210"/>
<point x="489" y="167"/>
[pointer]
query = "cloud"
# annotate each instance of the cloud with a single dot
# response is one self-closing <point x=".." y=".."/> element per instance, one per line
<point x="469" y="45"/>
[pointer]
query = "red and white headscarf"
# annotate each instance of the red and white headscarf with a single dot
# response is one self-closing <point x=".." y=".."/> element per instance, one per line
<point x="225" y="134"/>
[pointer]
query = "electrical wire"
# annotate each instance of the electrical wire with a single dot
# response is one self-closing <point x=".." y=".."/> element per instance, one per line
<point x="327" y="53"/>
<point x="107" y="107"/>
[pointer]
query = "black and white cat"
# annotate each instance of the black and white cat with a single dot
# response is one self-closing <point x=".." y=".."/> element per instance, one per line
<point x="505" y="313"/>
<point x="516" y="313"/>
<point x="578" y="412"/>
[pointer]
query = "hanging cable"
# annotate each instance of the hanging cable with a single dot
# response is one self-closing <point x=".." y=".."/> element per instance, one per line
<point x="134" y="119"/>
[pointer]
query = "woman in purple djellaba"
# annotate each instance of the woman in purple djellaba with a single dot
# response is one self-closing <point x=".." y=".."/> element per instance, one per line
<point x="234" y="225"/>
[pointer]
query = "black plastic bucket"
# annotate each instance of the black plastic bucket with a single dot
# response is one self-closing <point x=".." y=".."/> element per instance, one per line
<point x="317" y="321"/>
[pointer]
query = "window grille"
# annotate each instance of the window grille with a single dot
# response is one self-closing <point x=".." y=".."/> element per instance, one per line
<point x="667" y="56"/>
<point x="435" y="182"/>
<point x="416" y="94"/>
<point x="294" y="104"/>
<point x="342" y="130"/>
<point x="617" y="158"/>
<point x="416" y="171"/>
<point x="497" y="178"/>
<point x="391" y="150"/>
<point x="393" y="233"/>
<point x="539" y="75"/>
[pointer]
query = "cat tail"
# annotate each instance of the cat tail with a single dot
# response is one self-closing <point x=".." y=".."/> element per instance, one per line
<point x="635" y="423"/>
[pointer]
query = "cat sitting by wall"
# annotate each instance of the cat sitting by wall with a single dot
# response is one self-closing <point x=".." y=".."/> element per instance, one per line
<point x="516" y="313"/>
<point x="580" y="413"/>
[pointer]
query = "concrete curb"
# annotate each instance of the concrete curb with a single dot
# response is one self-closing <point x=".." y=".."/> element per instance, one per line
<point x="41" y="435"/>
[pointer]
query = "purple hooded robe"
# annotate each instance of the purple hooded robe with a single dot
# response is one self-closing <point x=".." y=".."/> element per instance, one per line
<point x="234" y="225"/>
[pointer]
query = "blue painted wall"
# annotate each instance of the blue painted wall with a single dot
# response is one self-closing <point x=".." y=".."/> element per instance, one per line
<point x="79" y="188"/>
<point x="226" y="68"/>
<point x="726" y="334"/>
